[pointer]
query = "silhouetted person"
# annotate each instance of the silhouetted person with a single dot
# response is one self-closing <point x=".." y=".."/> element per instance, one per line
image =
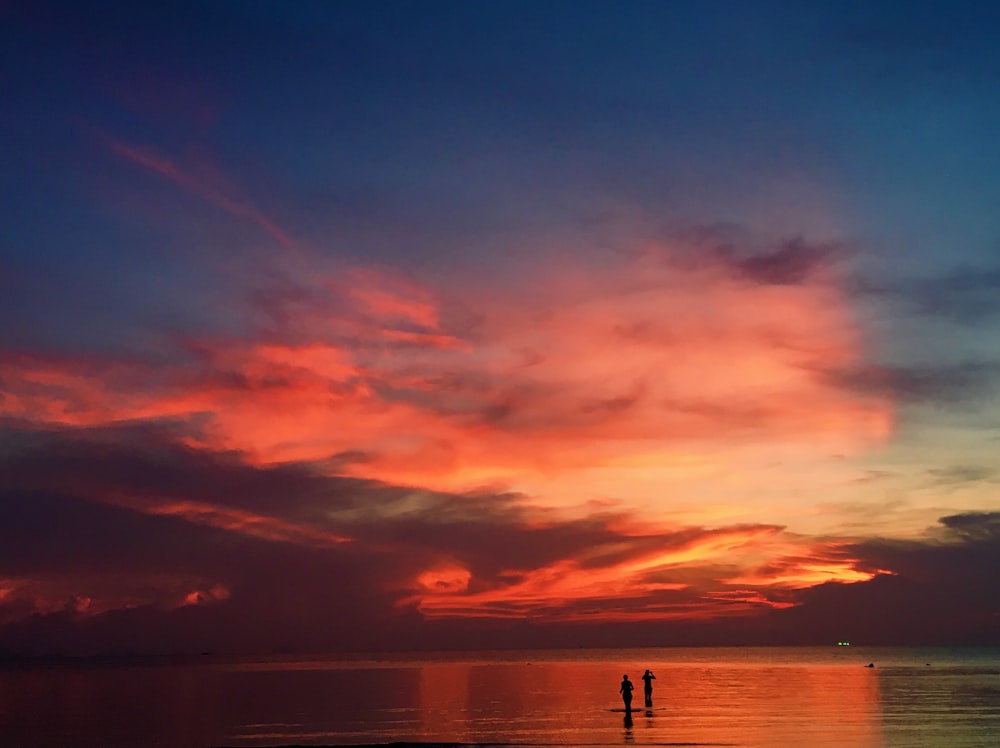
<point x="626" y="692"/>
<point x="647" y="689"/>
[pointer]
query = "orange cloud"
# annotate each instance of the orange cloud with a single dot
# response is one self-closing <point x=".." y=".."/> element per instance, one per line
<point x="449" y="578"/>
<point x="213" y="594"/>
<point x="634" y="579"/>
<point x="234" y="520"/>
<point x="824" y="562"/>
<point x="564" y="380"/>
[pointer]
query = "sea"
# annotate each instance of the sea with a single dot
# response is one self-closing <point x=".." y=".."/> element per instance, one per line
<point x="771" y="697"/>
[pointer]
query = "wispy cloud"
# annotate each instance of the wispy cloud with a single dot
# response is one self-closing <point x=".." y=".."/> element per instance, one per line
<point x="945" y="382"/>
<point x="207" y="184"/>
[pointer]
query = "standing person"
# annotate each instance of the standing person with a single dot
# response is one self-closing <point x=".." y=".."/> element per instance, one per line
<point x="648" y="679"/>
<point x="626" y="691"/>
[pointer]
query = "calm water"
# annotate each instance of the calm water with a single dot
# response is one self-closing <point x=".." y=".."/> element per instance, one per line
<point x="735" y="697"/>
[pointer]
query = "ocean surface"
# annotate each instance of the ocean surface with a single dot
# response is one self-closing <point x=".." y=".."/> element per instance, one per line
<point x="755" y="697"/>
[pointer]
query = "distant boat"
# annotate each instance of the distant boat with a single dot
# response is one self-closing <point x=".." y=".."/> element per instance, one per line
<point x="843" y="644"/>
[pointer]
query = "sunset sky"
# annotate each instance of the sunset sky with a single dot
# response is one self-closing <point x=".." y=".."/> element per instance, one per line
<point x="343" y="326"/>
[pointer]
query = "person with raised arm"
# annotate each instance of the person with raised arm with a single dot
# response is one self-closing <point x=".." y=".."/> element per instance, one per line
<point x="647" y="689"/>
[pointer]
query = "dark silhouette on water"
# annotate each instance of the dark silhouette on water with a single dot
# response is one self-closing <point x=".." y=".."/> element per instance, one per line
<point x="626" y="691"/>
<point x="870" y="664"/>
<point x="647" y="679"/>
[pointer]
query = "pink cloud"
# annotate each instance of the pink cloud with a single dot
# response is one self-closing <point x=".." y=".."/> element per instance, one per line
<point x="608" y="367"/>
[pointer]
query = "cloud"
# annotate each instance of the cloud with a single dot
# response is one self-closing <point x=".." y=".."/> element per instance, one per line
<point x="944" y="383"/>
<point x="961" y="474"/>
<point x="942" y="590"/>
<point x="120" y="527"/>
<point x="967" y="296"/>
<point x="372" y="445"/>
<point x="305" y="451"/>
<point x="208" y="185"/>
<point x="975" y="529"/>
<point x="580" y="362"/>
<point x="103" y="526"/>
<point x="793" y="261"/>
<point x="119" y="539"/>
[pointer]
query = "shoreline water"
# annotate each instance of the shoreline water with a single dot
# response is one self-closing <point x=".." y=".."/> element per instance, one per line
<point x="791" y="697"/>
<point x="484" y="654"/>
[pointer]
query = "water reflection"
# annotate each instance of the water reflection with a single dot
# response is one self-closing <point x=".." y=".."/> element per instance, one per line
<point x="444" y="692"/>
<point x="648" y="714"/>
<point x="816" y="705"/>
<point x="711" y="696"/>
<point x="570" y="702"/>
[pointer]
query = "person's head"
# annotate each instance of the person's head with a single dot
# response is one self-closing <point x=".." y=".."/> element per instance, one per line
<point x="647" y="672"/>
<point x="625" y="677"/>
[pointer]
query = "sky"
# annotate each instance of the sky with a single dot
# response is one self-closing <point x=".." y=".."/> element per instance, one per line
<point x="421" y="325"/>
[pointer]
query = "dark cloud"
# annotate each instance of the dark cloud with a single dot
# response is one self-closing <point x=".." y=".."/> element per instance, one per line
<point x="67" y="535"/>
<point x="160" y="582"/>
<point x="976" y="528"/>
<point x="149" y="461"/>
<point x="283" y="598"/>
<point x="52" y="533"/>
<point x="235" y="568"/>
<point x="790" y="263"/>
<point x="946" y="383"/>
<point x="966" y="296"/>
<point x="942" y="591"/>
<point x="756" y="259"/>
<point x="959" y="474"/>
